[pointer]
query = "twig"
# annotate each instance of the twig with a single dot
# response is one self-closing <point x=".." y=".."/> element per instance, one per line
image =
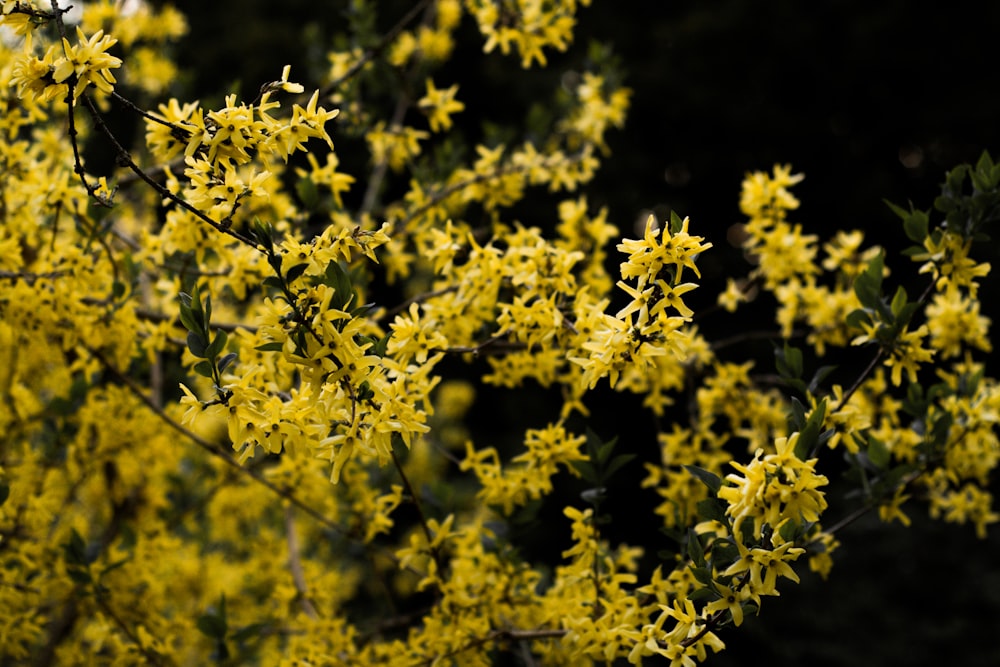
<point x="435" y="553"/>
<point x="295" y="564"/>
<point x="420" y="298"/>
<point x="371" y="53"/>
<point x="212" y="449"/>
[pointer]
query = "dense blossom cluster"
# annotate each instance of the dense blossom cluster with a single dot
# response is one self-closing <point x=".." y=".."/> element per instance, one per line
<point x="223" y="443"/>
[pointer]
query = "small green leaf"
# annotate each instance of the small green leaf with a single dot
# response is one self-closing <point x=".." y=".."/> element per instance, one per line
<point x="308" y="193"/>
<point x="898" y="210"/>
<point x="868" y="284"/>
<point x="217" y="346"/>
<point x="915" y="226"/>
<point x="709" y="479"/>
<point x="337" y="278"/>
<point x="676" y="222"/>
<point x="271" y="347"/>
<point x="197" y="344"/>
<point x="819" y="377"/>
<point x="273" y="281"/>
<point x="898" y="302"/>
<point x="605" y="450"/>
<point x="798" y="416"/>
<point x="225" y="362"/>
<point x="249" y="632"/>
<point x="877" y="452"/>
<point x="809" y="435"/>
<point x="208" y="310"/>
<point x="616" y="463"/>
<point x="212" y="626"/>
<point x="75" y="550"/>
<point x="263" y="233"/>
<point x="295" y="271"/>
<point x="696" y="552"/>
<point x="115" y="565"/>
<point x="187" y="318"/>
<point x="711" y="509"/>
<point x="79" y="575"/>
<point x="704" y="577"/>
<point x="204" y="368"/>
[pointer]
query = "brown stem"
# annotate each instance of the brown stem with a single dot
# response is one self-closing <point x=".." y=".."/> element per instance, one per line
<point x="435" y="553"/>
<point x="377" y="49"/>
<point x="295" y="564"/>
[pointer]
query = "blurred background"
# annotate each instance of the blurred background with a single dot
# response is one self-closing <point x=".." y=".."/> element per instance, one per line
<point x="871" y="100"/>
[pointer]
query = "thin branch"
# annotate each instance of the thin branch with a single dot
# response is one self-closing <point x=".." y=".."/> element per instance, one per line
<point x="499" y="635"/>
<point x="295" y="564"/>
<point x="212" y="449"/>
<point x="435" y="553"/>
<point x="735" y="339"/>
<point x="371" y="53"/>
<point x="496" y="344"/>
<point x="420" y="298"/>
<point x="125" y="160"/>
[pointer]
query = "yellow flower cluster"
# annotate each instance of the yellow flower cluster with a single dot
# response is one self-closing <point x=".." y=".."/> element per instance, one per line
<point x="321" y="332"/>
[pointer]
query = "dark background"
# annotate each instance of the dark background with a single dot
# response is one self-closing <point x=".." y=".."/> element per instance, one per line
<point x="872" y="100"/>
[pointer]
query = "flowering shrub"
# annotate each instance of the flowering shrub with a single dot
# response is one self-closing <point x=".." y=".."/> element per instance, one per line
<point x="234" y="428"/>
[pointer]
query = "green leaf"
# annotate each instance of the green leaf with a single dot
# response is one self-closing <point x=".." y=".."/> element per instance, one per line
<point x="898" y="302"/>
<point x="877" y="452"/>
<point x="214" y="623"/>
<point x="263" y="233"/>
<point x="295" y="271"/>
<point x="809" y="435"/>
<point x="819" y="377"/>
<point x="702" y="593"/>
<point x="695" y="550"/>
<point x="271" y="347"/>
<point x="187" y="318"/>
<point x="226" y="361"/>
<point x="217" y="346"/>
<point x="616" y="463"/>
<point x="709" y="479"/>
<point x="204" y="368"/>
<point x="858" y="317"/>
<point x="115" y="565"/>
<point x="249" y="632"/>
<point x="788" y="361"/>
<point x="676" y="222"/>
<point x="711" y="509"/>
<point x="273" y="281"/>
<point x="605" y="450"/>
<point x="197" y="344"/>
<point x="789" y="530"/>
<point x="915" y="226"/>
<point x="208" y="311"/>
<point x="75" y="550"/>
<point x="704" y="577"/>
<point x="308" y="193"/>
<point x="337" y="278"/>
<point x="798" y="416"/>
<point x="868" y="285"/>
<point x="586" y="470"/>
<point x="79" y="575"/>
<point x="212" y="626"/>
<point x="898" y="210"/>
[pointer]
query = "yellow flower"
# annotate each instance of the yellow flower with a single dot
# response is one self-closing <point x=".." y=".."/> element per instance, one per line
<point x="439" y="104"/>
<point x="88" y="62"/>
